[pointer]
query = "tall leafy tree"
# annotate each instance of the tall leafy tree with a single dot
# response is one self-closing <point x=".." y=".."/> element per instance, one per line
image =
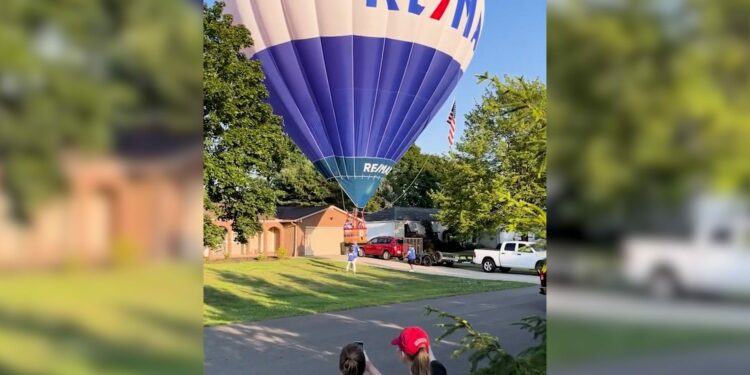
<point x="75" y="74"/>
<point x="301" y="184"/>
<point x="497" y="177"/>
<point x="650" y="104"/>
<point x="244" y="146"/>
<point x="411" y="181"/>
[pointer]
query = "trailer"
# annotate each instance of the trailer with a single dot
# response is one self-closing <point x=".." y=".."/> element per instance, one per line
<point x="432" y="257"/>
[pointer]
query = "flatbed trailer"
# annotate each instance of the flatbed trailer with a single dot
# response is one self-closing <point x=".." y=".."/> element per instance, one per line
<point x="429" y="258"/>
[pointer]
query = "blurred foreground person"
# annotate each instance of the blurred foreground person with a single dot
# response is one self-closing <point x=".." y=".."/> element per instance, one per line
<point x="353" y="361"/>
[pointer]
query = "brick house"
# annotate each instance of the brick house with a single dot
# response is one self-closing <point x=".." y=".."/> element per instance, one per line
<point x="302" y="231"/>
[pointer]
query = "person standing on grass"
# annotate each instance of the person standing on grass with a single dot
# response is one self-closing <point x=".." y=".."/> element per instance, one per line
<point x="352" y="258"/>
<point x="411" y="256"/>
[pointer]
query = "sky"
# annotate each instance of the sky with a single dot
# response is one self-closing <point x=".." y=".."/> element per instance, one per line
<point x="513" y="42"/>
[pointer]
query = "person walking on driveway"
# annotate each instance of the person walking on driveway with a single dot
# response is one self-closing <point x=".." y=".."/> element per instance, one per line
<point x="352" y="258"/>
<point x="411" y="256"/>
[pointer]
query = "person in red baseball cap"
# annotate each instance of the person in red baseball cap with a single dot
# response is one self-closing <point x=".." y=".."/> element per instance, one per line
<point x="414" y="350"/>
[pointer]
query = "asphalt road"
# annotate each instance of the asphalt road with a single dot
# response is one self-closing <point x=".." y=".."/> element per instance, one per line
<point x="620" y="307"/>
<point x="467" y="271"/>
<point x="311" y="344"/>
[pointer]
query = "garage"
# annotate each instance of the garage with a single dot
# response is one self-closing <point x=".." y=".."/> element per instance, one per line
<point x="323" y="240"/>
<point x="299" y="231"/>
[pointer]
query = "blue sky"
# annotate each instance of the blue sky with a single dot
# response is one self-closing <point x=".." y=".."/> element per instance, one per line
<point x="514" y="42"/>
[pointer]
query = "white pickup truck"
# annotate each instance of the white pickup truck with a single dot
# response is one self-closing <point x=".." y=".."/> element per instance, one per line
<point x="511" y="254"/>
<point x="714" y="258"/>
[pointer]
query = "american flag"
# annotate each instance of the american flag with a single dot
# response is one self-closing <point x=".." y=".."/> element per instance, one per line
<point x="452" y="124"/>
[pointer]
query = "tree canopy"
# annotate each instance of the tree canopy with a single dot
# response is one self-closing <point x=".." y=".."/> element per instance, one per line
<point x="411" y="181"/>
<point x="76" y="74"/>
<point x="496" y="179"/>
<point x="299" y="183"/>
<point x="650" y="104"/>
<point x="244" y="146"/>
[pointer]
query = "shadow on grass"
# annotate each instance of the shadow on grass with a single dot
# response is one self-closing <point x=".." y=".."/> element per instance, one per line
<point x="326" y="265"/>
<point x="313" y="286"/>
<point x="255" y="298"/>
<point x="100" y="354"/>
<point x="179" y="329"/>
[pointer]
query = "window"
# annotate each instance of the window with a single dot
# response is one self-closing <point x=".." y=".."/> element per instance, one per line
<point x="525" y="248"/>
<point x="400" y="241"/>
<point x="374" y="240"/>
<point x="509" y="246"/>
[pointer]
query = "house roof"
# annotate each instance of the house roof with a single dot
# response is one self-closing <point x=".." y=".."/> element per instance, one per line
<point x="403" y="213"/>
<point x="296" y="212"/>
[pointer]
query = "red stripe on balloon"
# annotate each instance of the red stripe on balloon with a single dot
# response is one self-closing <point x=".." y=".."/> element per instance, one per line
<point x="440" y="10"/>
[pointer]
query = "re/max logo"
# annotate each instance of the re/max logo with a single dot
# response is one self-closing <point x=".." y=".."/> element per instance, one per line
<point x="377" y="168"/>
<point x="466" y="8"/>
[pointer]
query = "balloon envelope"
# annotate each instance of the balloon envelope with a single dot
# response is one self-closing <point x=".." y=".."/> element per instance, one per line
<point x="357" y="81"/>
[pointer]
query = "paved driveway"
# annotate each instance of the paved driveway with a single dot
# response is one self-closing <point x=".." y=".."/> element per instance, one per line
<point x="465" y="271"/>
<point x="311" y="344"/>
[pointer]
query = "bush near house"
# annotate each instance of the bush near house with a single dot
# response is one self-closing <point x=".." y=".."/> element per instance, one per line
<point x="281" y="253"/>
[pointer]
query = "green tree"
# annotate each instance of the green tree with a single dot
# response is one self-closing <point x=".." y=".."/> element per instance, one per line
<point x="650" y="103"/>
<point x="497" y="177"/>
<point x="75" y="74"/>
<point x="244" y="146"/>
<point x="411" y="181"/>
<point x="301" y="184"/>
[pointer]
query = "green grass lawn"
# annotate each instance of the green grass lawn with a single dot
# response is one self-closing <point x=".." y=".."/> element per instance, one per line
<point x="572" y="341"/>
<point x="118" y="321"/>
<point x="252" y="291"/>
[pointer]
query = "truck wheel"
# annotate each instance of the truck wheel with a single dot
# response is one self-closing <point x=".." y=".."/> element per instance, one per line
<point x="663" y="285"/>
<point x="418" y="261"/>
<point x="426" y="261"/>
<point x="386" y="255"/>
<point x="488" y="265"/>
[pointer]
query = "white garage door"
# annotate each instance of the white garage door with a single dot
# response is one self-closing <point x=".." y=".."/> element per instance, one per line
<point x="323" y="241"/>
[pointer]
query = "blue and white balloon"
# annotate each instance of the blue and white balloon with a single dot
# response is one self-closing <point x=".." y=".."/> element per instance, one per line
<point x="357" y="81"/>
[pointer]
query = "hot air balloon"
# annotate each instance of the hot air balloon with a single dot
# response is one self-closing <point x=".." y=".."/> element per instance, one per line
<point x="357" y="81"/>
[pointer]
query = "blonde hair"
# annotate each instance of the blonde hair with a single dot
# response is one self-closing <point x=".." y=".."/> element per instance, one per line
<point x="420" y="362"/>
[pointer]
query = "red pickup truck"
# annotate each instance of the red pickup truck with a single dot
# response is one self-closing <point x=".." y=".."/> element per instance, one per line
<point x="384" y="247"/>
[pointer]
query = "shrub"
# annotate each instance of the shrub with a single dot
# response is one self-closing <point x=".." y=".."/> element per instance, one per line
<point x="125" y="252"/>
<point x="483" y="346"/>
<point x="281" y="253"/>
<point x="262" y="257"/>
